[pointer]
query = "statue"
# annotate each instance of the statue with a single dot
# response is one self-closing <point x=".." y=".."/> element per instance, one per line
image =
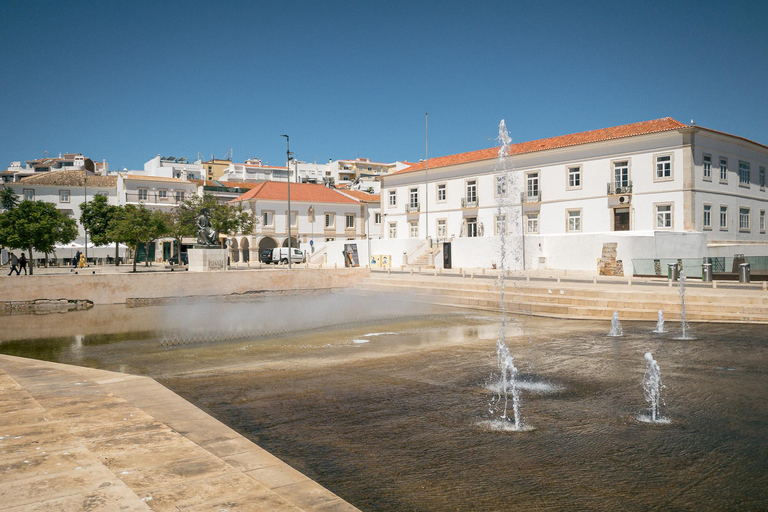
<point x="206" y="235"/>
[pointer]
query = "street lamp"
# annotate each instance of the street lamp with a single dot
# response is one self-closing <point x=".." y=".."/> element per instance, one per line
<point x="289" y="157"/>
<point x="85" y="228"/>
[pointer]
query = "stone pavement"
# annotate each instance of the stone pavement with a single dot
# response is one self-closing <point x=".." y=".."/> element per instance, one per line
<point x="76" y="438"/>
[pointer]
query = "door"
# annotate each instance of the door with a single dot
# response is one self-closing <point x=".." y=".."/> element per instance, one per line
<point x="621" y="219"/>
<point x="166" y="251"/>
<point x="446" y="254"/>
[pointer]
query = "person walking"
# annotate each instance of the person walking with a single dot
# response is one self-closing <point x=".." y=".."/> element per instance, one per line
<point x="76" y="259"/>
<point x="14" y="263"/>
<point x="23" y="263"/>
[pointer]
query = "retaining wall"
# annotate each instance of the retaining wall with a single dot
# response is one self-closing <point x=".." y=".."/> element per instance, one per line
<point x="118" y="288"/>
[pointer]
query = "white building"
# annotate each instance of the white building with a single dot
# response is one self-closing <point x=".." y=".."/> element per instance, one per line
<point x="68" y="189"/>
<point x="659" y="189"/>
<point x="170" y="167"/>
<point x="318" y="215"/>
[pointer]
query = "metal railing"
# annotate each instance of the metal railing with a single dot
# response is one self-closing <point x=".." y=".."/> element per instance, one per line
<point x="467" y="203"/>
<point x="413" y="207"/>
<point x="526" y="197"/>
<point x="612" y="189"/>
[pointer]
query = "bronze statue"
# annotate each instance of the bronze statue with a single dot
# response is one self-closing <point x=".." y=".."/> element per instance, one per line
<point x="206" y="235"/>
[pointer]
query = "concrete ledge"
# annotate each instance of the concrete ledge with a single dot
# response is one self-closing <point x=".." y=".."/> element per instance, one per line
<point x="82" y="439"/>
<point x="118" y="288"/>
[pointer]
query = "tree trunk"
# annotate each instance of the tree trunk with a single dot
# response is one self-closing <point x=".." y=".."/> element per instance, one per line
<point x="135" y="255"/>
<point x="117" y="254"/>
<point x="146" y="254"/>
<point x="30" y="262"/>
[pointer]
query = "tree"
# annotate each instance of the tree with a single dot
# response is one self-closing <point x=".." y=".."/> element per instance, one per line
<point x="135" y="225"/>
<point x="36" y="225"/>
<point x="8" y="199"/>
<point x="227" y="219"/>
<point x="96" y="217"/>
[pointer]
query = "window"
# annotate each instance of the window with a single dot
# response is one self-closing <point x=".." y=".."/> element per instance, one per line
<point x="707" y="216"/>
<point x="472" y="227"/>
<point x="442" y="229"/>
<point x="441" y="192"/>
<point x="664" y="167"/>
<point x="574" y="177"/>
<point x="63" y="196"/>
<point x="330" y="220"/>
<point x="707" y="166"/>
<point x="393" y="198"/>
<point x="472" y="193"/>
<point x="267" y="218"/>
<point x="501" y="224"/>
<point x="162" y="194"/>
<point x="179" y="196"/>
<point x="663" y="216"/>
<point x="350" y="221"/>
<point x="532" y="185"/>
<point x="501" y="185"/>
<point x="29" y="194"/>
<point x="744" y="219"/>
<point x="723" y="169"/>
<point x="762" y="221"/>
<point x="330" y="239"/>
<point x="377" y="218"/>
<point x="743" y="173"/>
<point x="143" y="194"/>
<point x="413" y="199"/>
<point x="413" y="228"/>
<point x="393" y="230"/>
<point x="532" y="223"/>
<point x="761" y="178"/>
<point x="574" y="220"/>
<point x="621" y="174"/>
<point x="723" y="218"/>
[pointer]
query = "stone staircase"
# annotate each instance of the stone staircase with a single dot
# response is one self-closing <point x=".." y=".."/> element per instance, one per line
<point x="581" y="300"/>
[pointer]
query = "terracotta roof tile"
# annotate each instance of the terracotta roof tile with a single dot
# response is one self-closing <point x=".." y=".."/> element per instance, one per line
<point x="300" y="192"/>
<point x="363" y="196"/>
<point x="574" y="139"/>
<point x="70" y="179"/>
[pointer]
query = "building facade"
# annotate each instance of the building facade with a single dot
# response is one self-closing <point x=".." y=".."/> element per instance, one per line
<point x="658" y="189"/>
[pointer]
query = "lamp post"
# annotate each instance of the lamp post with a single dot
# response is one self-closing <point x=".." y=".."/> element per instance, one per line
<point x="288" y="167"/>
<point x="85" y="228"/>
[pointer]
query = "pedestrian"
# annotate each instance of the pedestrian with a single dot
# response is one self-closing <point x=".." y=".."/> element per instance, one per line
<point x="23" y="263"/>
<point x="14" y="263"/>
<point x="81" y="263"/>
<point x="76" y="261"/>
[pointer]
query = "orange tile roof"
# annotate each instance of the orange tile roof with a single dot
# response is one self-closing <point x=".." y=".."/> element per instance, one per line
<point x="300" y="192"/>
<point x="363" y="196"/>
<point x="574" y="139"/>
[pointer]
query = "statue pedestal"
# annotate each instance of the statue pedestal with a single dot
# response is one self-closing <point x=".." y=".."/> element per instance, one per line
<point x="207" y="259"/>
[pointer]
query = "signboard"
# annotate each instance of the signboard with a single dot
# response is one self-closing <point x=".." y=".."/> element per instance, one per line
<point x="351" y="258"/>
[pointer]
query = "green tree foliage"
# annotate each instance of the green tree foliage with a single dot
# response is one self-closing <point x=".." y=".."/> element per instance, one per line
<point x="96" y="217"/>
<point x="8" y="199"/>
<point x="35" y="225"/>
<point x="226" y="218"/>
<point x="135" y="225"/>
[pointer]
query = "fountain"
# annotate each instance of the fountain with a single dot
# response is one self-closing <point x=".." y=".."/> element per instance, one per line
<point x="660" y="324"/>
<point x="652" y="387"/>
<point x="683" y="323"/>
<point x="616" y="329"/>
<point x="498" y="406"/>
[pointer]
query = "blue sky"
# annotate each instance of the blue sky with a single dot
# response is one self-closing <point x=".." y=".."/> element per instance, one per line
<point x="124" y="81"/>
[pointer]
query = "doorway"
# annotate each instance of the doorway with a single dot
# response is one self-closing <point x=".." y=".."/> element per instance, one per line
<point x="621" y="219"/>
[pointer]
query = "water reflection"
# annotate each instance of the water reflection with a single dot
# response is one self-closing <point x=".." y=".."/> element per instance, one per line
<point x="392" y="424"/>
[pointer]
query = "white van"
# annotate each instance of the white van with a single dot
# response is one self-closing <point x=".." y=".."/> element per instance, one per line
<point x="280" y="255"/>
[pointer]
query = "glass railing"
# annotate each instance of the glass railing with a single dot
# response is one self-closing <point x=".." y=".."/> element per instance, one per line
<point x="692" y="266"/>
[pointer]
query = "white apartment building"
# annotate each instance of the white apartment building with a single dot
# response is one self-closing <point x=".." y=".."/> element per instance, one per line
<point x="171" y="167"/>
<point x="318" y="215"/>
<point x="659" y="189"/>
<point x="68" y="189"/>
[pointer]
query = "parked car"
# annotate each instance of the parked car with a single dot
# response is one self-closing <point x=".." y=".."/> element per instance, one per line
<point x="265" y="256"/>
<point x="174" y="260"/>
<point x="279" y="255"/>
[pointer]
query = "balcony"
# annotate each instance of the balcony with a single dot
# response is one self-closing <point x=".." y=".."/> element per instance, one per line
<point x="469" y="202"/>
<point x="531" y="197"/>
<point x="151" y="197"/>
<point x="412" y="208"/>
<point x="625" y="188"/>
